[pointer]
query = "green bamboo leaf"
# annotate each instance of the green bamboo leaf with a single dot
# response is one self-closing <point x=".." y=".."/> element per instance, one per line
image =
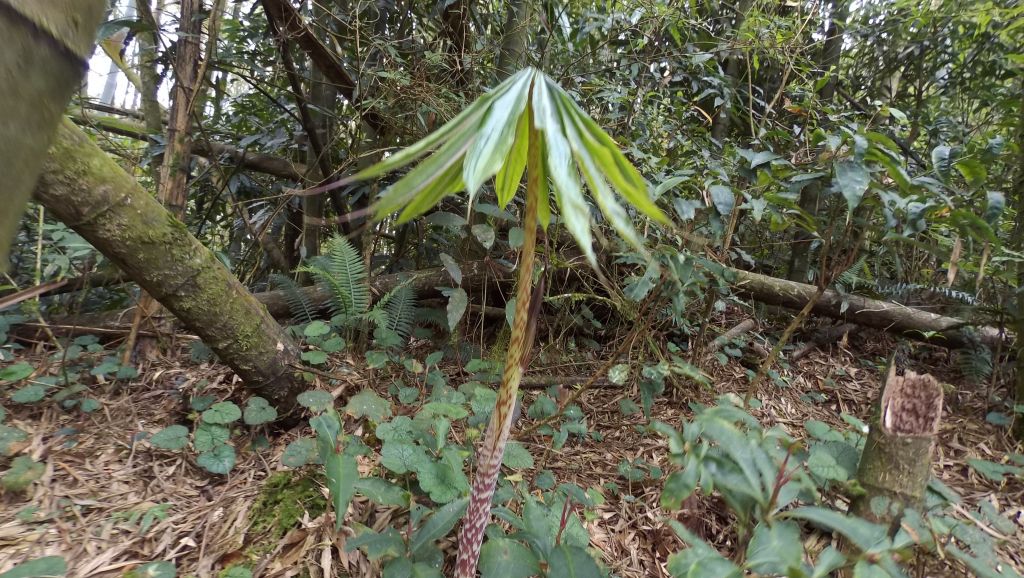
<point x="615" y="166"/>
<point x="496" y="134"/>
<point x="465" y="120"/>
<point x="511" y="172"/>
<point x="568" y="192"/>
<point x="430" y="193"/>
<point x="604" y="196"/>
<point x="544" y="191"/>
<point x="437" y="166"/>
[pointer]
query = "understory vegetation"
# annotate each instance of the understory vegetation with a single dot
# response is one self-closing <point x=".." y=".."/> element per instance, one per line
<point x="516" y="289"/>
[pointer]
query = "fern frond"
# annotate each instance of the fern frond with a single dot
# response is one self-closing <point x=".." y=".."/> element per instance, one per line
<point x="975" y="363"/>
<point x="400" y="305"/>
<point x="432" y="316"/>
<point x="348" y="270"/>
<point x="298" y="303"/>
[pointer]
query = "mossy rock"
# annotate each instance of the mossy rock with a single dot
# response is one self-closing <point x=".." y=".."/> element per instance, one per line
<point x="285" y="497"/>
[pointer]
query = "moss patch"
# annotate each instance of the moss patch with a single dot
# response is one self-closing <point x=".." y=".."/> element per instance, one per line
<point x="282" y="502"/>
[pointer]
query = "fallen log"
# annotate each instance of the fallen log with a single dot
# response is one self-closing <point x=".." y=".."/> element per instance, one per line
<point x="884" y="315"/>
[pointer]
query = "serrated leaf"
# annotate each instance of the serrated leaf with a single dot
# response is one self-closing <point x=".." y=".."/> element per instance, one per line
<point x="218" y="460"/>
<point x="865" y="535"/>
<point x="678" y="487"/>
<point x="258" y="411"/>
<point x="442" y="480"/>
<point x="618" y="374"/>
<point x="458" y="300"/>
<point x="517" y="456"/>
<point x="315" y="400"/>
<point x="299" y="453"/>
<point x="172" y="438"/>
<point x="45" y="567"/>
<point x="368" y="404"/>
<point x="504" y="558"/>
<point x="223" y="412"/>
<point x="209" y="436"/>
<point x="402" y="457"/>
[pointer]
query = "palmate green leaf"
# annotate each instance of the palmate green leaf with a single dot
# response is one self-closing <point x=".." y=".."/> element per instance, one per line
<point x="496" y="133"/>
<point x="615" y="166"/>
<point x="511" y="172"/>
<point x="602" y="193"/>
<point x="562" y="171"/>
<point x="446" y="162"/>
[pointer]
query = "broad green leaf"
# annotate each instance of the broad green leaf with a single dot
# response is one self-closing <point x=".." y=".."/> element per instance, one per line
<point x="388" y="543"/>
<point x="377" y="359"/>
<point x="258" y="411"/>
<point x="511" y="172"/>
<point x="16" y="372"/>
<point x="402" y="457"/>
<point x="442" y="479"/>
<point x="618" y="374"/>
<point x="484" y="233"/>
<point x="996" y="203"/>
<point x="438" y="524"/>
<point x="23" y="471"/>
<point x="314" y="357"/>
<point x="561" y="169"/>
<point x="458" y="300"/>
<point x="504" y="558"/>
<point x="828" y="561"/>
<point x="316" y="399"/>
<point x="209" y="436"/>
<point x="517" y="456"/>
<point x="236" y="572"/>
<point x="8" y="437"/>
<point x="316" y="329"/>
<point x="496" y="133"/>
<point x="172" y="437"/>
<point x="368" y="404"/>
<point x="572" y="562"/>
<point x="29" y="394"/>
<point x="973" y="171"/>
<point x="723" y="199"/>
<point x="327" y="426"/>
<point x="299" y="453"/>
<point x="599" y="189"/>
<point x="700" y="559"/>
<point x="445" y="183"/>
<point x="223" y="412"/>
<point x="853" y="179"/>
<point x="218" y="460"/>
<point x="446" y="219"/>
<point x="667" y="185"/>
<point x="342" y="472"/>
<point x="45" y="567"/>
<point x="775" y="549"/>
<point x="678" y="487"/>
<point x="383" y="492"/>
<point x="452" y="267"/>
<point x="941" y="161"/>
<point x="865" y="535"/>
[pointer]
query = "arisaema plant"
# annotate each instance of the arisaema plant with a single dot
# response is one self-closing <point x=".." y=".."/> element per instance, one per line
<point x="526" y="124"/>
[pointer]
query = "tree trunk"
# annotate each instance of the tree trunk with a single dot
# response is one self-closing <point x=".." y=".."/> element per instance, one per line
<point x="84" y="188"/>
<point x="896" y="463"/>
<point x="45" y="46"/>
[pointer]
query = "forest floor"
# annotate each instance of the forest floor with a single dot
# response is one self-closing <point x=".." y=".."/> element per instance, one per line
<point x="108" y="503"/>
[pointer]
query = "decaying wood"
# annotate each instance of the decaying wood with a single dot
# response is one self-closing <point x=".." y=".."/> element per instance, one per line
<point x="741" y="328"/>
<point x="824" y="336"/>
<point x="895" y="465"/>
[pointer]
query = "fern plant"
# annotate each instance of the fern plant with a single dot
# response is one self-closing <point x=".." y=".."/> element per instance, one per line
<point x="342" y="271"/>
<point x="299" y="304"/>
